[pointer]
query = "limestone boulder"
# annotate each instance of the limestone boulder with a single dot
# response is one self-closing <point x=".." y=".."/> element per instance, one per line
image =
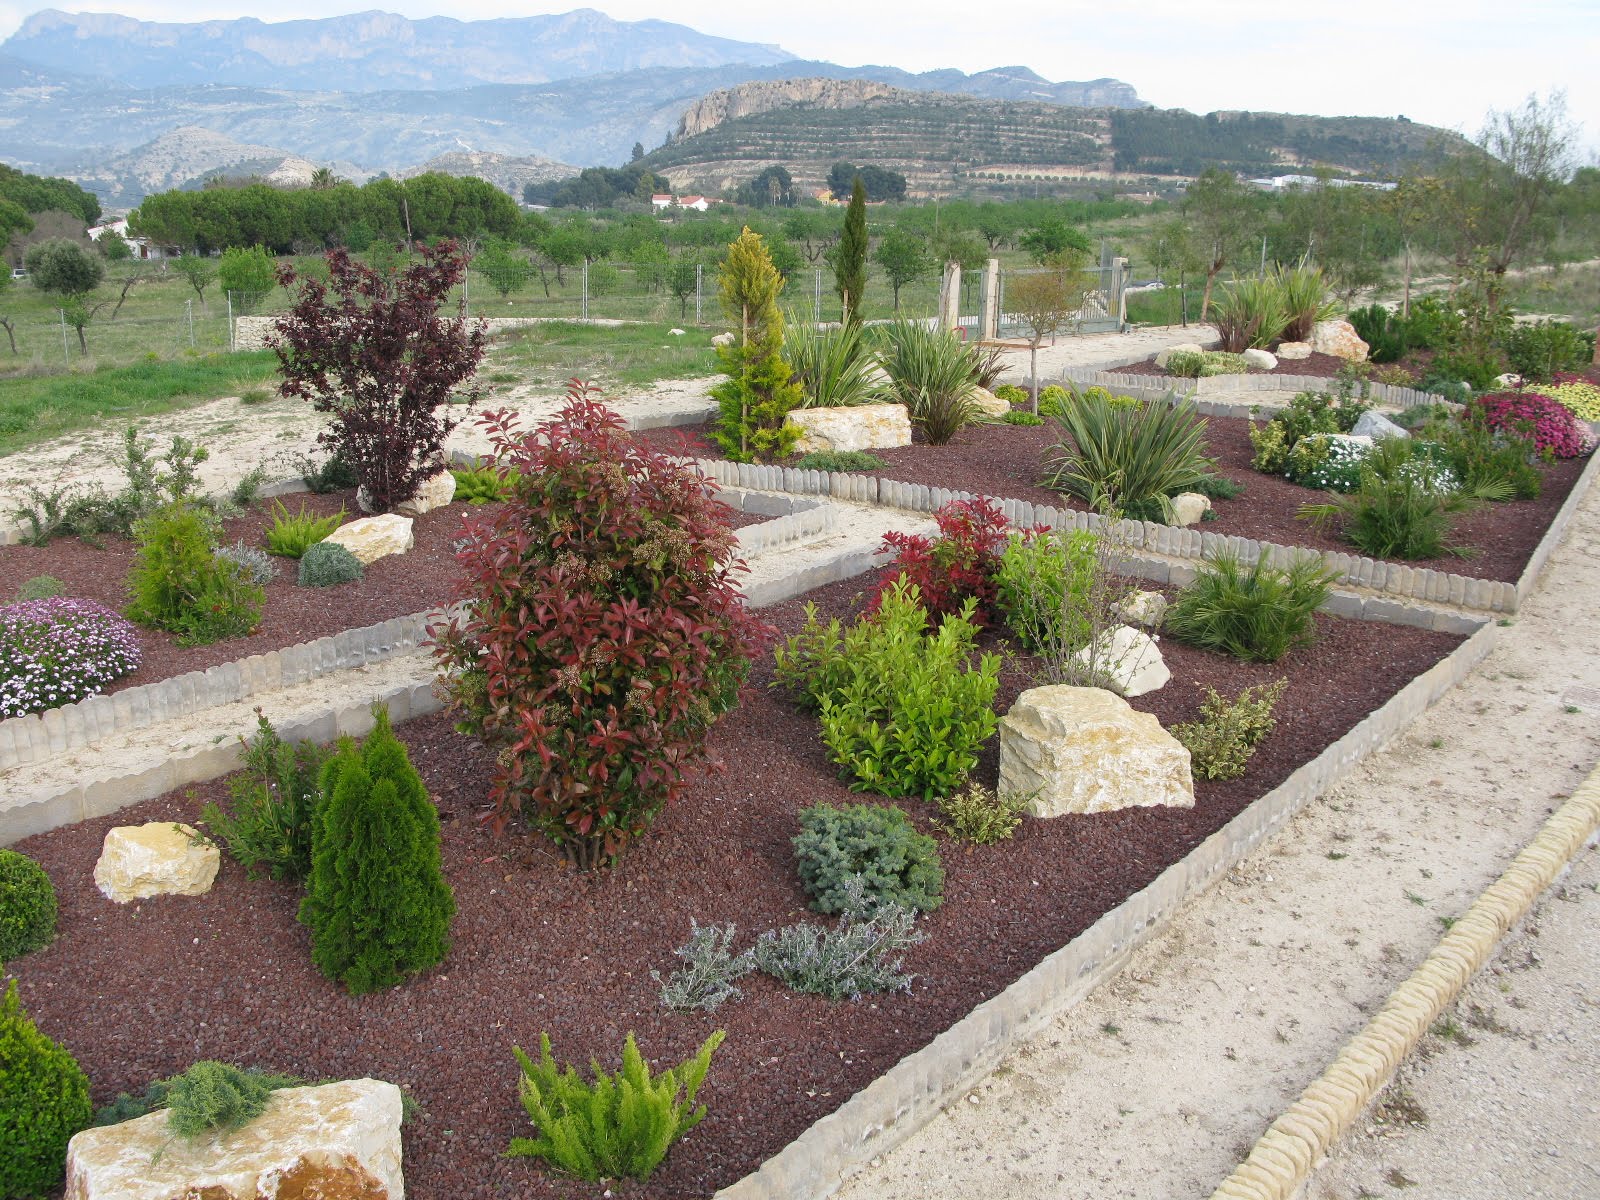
<point x="1338" y="338"/>
<point x="1375" y="425"/>
<point x="1294" y="351"/>
<point x="436" y="492"/>
<point x="1508" y="380"/>
<point x="677" y="333"/>
<point x="1142" y="608"/>
<point x="988" y="404"/>
<point x="859" y="427"/>
<point x="1190" y="508"/>
<point x="723" y="339"/>
<point x="1129" y="659"/>
<point x="1164" y="356"/>
<point x="372" y="538"/>
<point x="1084" y="750"/>
<point x="337" y="1141"/>
<point x="162" y="858"/>
<point x="1263" y="360"/>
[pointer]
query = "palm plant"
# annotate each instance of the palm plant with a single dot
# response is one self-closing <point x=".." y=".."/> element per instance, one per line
<point x="1131" y="458"/>
<point x="834" y="366"/>
<point x="931" y="373"/>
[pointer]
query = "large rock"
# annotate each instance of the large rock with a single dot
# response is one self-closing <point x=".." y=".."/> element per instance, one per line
<point x="1507" y="381"/>
<point x="1165" y="356"/>
<point x="1294" y="351"/>
<point x="162" y="858"/>
<point x="1264" y="359"/>
<point x="1142" y="608"/>
<point x="1338" y="338"/>
<point x="1084" y="750"/>
<point x="1190" y="508"/>
<point x="1374" y="424"/>
<point x="990" y="405"/>
<point x="336" y="1141"/>
<point x="435" y="492"/>
<point x="723" y="339"/>
<point x="859" y="427"/>
<point x="371" y="538"/>
<point x="1129" y="660"/>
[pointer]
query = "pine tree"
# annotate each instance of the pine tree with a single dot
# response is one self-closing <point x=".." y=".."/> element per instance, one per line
<point x="850" y="256"/>
<point x="377" y="901"/>
<point x="756" y="398"/>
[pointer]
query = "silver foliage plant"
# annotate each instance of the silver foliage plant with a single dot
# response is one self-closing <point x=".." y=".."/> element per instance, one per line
<point x="861" y="954"/>
<point x="710" y="967"/>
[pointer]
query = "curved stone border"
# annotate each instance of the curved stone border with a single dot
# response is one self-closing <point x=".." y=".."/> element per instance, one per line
<point x="1099" y="375"/>
<point x="1294" y="1143"/>
<point x="916" y="1089"/>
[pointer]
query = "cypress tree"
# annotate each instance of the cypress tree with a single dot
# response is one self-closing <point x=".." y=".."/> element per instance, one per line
<point x="850" y="258"/>
<point x="756" y="397"/>
<point x="377" y="901"/>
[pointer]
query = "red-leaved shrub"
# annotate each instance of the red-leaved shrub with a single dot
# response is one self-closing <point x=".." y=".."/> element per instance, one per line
<point x="604" y="634"/>
<point x="960" y="563"/>
<point x="1544" y="421"/>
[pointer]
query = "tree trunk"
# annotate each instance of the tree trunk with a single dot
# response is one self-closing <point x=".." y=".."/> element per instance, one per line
<point x="82" y="343"/>
<point x="1033" y="374"/>
<point x="10" y="332"/>
<point x="1205" y="299"/>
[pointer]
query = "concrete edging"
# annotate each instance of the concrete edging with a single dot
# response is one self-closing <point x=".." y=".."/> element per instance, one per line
<point x="916" y="1089"/>
<point x="1293" y="1144"/>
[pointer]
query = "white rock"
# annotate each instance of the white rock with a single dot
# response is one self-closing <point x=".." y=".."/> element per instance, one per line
<point x="1142" y="608"/>
<point x="1293" y="351"/>
<point x="858" y="427"/>
<point x="723" y="339"/>
<point x="333" y="1140"/>
<point x="1190" y="508"/>
<point x="434" y="492"/>
<point x="675" y="333"/>
<point x="1264" y="359"/>
<point x="162" y="858"/>
<point x="1508" y="380"/>
<point x="1129" y="660"/>
<point x="1084" y="750"/>
<point x="1165" y="355"/>
<point x="1374" y="424"/>
<point x="1338" y="338"/>
<point x="990" y="405"/>
<point x="371" y="538"/>
<point x="1362" y="441"/>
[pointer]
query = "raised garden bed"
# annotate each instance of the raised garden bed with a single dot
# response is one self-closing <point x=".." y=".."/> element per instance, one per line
<point x="1318" y="366"/>
<point x="538" y="947"/>
<point x="1008" y="461"/>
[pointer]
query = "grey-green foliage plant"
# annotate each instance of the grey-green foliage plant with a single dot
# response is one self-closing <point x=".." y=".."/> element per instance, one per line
<point x="618" y="1126"/>
<point x="1221" y="742"/>
<point x="274" y="800"/>
<point x="327" y="564"/>
<point x="840" y="460"/>
<point x="903" y="710"/>
<point x="709" y="969"/>
<point x="978" y="815"/>
<point x="1257" y="613"/>
<point x="1132" y="459"/>
<point x="254" y="563"/>
<point x="931" y="373"/>
<point x="875" y="846"/>
<point x="862" y="954"/>
<point x="1203" y="364"/>
<point x="40" y="587"/>
<point x="27" y="906"/>
<point x="834" y="365"/>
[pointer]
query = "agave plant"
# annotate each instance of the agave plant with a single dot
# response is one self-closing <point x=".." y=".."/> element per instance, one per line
<point x="1304" y="299"/>
<point x="835" y="366"/>
<point x="1249" y="312"/>
<point x="931" y="373"/>
<point x="1132" y="459"/>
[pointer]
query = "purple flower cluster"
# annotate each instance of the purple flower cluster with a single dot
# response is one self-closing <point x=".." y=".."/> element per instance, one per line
<point x="57" y="651"/>
<point x="1548" y="424"/>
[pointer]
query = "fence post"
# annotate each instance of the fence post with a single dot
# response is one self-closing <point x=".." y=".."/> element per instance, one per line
<point x="699" y="279"/>
<point x="233" y="337"/>
<point x="990" y="320"/>
<point x="583" y="310"/>
<point x="66" y="358"/>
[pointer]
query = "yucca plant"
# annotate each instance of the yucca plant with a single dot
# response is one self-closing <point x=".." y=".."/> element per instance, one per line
<point x="932" y="374"/>
<point x="1248" y="312"/>
<point x="1304" y="298"/>
<point x="1132" y="459"/>
<point x="835" y="366"/>
<point x="1255" y="613"/>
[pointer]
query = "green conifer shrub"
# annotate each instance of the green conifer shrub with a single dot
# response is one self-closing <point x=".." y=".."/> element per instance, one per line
<point x="756" y="397"/>
<point x="377" y="901"/>
<point x="178" y="583"/>
<point x="44" y="1100"/>
<point x="27" y="906"/>
<point x="875" y="845"/>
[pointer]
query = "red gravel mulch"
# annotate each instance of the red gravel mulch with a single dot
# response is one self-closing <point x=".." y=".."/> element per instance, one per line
<point x="142" y="991"/>
<point x="1008" y="460"/>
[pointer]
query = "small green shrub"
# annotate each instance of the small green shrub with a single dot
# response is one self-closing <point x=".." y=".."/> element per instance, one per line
<point x="40" y="587"/>
<point x="619" y="1126"/>
<point x="44" y="1100"/>
<point x="709" y="969"/>
<point x="840" y="460"/>
<point x="332" y="474"/>
<point x="214" y="1098"/>
<point x="1217" y="487"/>
<point x="1043" y="588"/>
<point x="479" y="485"/>
<point x="1432" y="324"/>
<point x="1019" y="417"/>
<point x="178" y="583"/>
<point x="1257" y="613"/>
<point x="1131" y="459"/>
<point x="275" y="799"/>
<point x="1308" y="414"/>
<point x="877" y="846"/>
<point x="1053" y="399"/>
<point x="253" y="562"/>
<point x="902" y="711"/>
<point x="1538" y="350"/>
<point x="977" y="815"/>
<point x="1381" y="330"/>
<point x="1477" y="368"/>
<point x="1221" y="742"/>
<point x="292" y="536"/>
<point x="328" y="564"/>
<point x="1012" y="394"/>
<point x="1187" y="364"/>
<point x="27" y="906"/>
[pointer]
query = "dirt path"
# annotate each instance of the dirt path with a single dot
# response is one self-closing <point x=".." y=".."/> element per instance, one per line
<point x="1160" y="1082"/>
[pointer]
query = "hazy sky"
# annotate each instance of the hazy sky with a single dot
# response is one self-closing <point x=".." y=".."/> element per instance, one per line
<point x="1437" y="62"/>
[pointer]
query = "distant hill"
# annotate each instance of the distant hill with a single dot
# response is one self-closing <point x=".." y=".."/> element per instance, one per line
<point x="945" y="144"/>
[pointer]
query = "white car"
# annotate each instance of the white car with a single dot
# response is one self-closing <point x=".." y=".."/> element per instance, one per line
<point x="18" y="273"/>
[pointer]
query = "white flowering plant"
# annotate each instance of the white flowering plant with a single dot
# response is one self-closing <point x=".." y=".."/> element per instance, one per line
<point x="60" y="650"/>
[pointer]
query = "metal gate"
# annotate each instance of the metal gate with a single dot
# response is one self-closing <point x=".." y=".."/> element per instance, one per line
<point x="1104" y="307"/>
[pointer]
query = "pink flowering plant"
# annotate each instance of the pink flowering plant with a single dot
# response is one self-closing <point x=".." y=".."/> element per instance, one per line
<point x="60" y="650"/>
<point x="1548" y="424"/>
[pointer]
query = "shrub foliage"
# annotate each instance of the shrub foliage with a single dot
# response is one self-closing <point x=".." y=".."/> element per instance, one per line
<point x="275" y="799"/>
<point x="957" y="566"/>
<point x="179" y="584"/>
<point x="1255" y="613"/>
<point x="44" y="1100"/>
<point x="875" y="845"/>
<point x="27" y="906"/>
<point x="1221" y="742"/>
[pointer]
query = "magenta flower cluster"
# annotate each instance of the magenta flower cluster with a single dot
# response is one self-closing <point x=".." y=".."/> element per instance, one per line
<point x="1546" y="422"/>
<point x="60" y="650"/>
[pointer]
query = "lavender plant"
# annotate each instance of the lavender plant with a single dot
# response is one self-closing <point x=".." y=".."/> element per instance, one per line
<point x="709" y="969"/>
<point x="859" y="955"/>
<point x="60" y="650"/>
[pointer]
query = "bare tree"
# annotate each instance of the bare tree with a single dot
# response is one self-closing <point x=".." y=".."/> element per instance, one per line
<point x="1046" y="302"/>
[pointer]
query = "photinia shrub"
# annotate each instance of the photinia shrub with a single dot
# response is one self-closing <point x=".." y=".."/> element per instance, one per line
<point x="60" y="650"/>
<point x="605" y="634"/>
<point x="960" y="564"/>
<point x="1547" y="423"/>
<point x="379" y="359"/>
